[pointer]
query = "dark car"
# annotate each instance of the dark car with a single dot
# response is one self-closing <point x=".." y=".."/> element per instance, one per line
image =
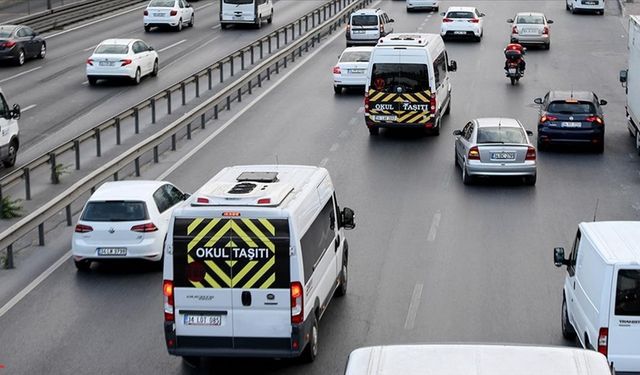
<point x="19" y="43"/>
<point x="571" y="117"/>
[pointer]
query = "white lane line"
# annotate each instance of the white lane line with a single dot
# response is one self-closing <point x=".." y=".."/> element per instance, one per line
<point x="190" y="52"/>
<point x="324" y="162"/>
<point x="334" y="147"/>
<point x="343" y="134"/>
<point x="96" y="21"/>
<point x="353" y="120"/>
<point x="32" y="106"/>
<point x="20" y="74"/>
<point x="34" y="284"/>
<point x="420" y="28"/>
<point x="215" y="27"/>
<point x="413" y="307"/>
<point x="361" y="110"/>
<point x="197" y="148"/>
<point x="85" y="82"/>
<point x="434" y="227"/>
<point x="204" y="6"/>
<point x="89" y="48"/>
<point x="172" y="45"/>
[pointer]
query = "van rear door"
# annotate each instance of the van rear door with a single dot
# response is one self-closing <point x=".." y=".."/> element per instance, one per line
<point x="624" y="321"/>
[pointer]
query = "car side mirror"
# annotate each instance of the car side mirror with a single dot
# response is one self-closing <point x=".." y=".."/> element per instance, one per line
<point x="15" y="111"/>
<point x="457" y="132"/>
<point x="603" y="102"/>
<point x="623" y="75"/>
<point x="347" y="218"/>
<point x="185" y="196"/>
<point x="151" y="48"/>
<point x="529" y="132"/>
<point x="510" y="20"/>
<point x="453" y="66"/>
<point x="537" y="100"/>
<point x="549" y="22"/>
<point x="442" y="14"/>
<point x="392" y="20"/>
<point x="482" y="14"/>
<point x="558" y="257"/>
<point x="188" y="5"/>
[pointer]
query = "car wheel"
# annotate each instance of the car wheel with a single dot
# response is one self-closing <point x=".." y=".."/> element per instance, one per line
<point x="190" y="361"/>
<point x="82" y="265"/>
<point x="530" y="180"/>
<point x="43" y="51"/>
<point x="547" y="46"/>
<point x="192" y="21"/>
<point x="344" y="276"/>
<point x="92" y="81"/>
<point x="179" y="26"/>
<point x="599" y="148"/>
<point x="373" y="130"/>
<point x="311" y="351"/>
<point x="513" y="80"/>
<point x="541" y="146"/>
<point x="455" y="159"/>
<point x="337" y="89"/>
<point x="436" y="9"/>
<point x="436" y="130"/>
<point x="12" y="153"/>
<point x="20" y="58"/>
<point x="154" y="72"/>
<point x="270" y="19"/>
<point x="573" y="10"/>
<point x="147" y="28"/>
<point x="466" y="179"/>
<point x="136" y="79"/>
<point x="409" y="10"/>
<point x="567" y="329"/>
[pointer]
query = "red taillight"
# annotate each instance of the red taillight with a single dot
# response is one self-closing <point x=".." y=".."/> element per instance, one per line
<point x="167" y="291"/>
<point x="90" y="62"/>
<point x="297" y="303"/>
<point x="445" y="20"/>
<point x="474" y="153"/>
<point x="126" y="62"/>
<point x="9" y="43"/>
<point x="81" y="228"/>
<point x="545" y="30"/>
<point x="474" y="20"/>
<point x="348" y="28"/>
<point x="336" y="70"/>
<point x="173" y="12"/>
<point x="603" y="338"/>
<point x="366" y="103"/>
<point x="264" y="201"/>
<point x="595" y="119"/>
<point x="546" y="118"/>
<point x="202" y="200"/>
<point x="432" y="103"/>
<point x="514" y="30"/>
<point x="146" y="12"/>
<point x="531" y="153"/>
<point x="144" y="228"/>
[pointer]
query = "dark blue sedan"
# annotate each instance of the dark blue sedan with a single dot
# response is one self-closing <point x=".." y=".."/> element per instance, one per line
<point x="19" y="43"/>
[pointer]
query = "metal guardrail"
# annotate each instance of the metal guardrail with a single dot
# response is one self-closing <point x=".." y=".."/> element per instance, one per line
<point x="233" y="92"/>
<point x="61" y="16"/>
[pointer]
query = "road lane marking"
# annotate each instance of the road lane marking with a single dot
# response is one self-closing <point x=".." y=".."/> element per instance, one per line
<point x="420" y="28"/>
<point x="96" y="21"/>
<point x="324" y="162"/>
<point x="215" y="27"/>
<point x="434" y="227"/>
<point x="172" y="45"/>
<point x="413" y="306"/>
<point x="334" y="147"/>
<point x="343" y="134"/>
<point x="204" y="6"/>
<point x="90" y="48"/>
<point x="32" y="106"/>
<point x="353" y="120"/>
<point x="190" y="52"/>
<point x="20" y="74"/>
<point x="34" y="284"/>
<point x="361" y="110"/>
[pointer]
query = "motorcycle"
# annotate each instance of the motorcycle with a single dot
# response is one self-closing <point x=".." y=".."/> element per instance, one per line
<point x="513" y="72"/>
<point x="514" y="66"/>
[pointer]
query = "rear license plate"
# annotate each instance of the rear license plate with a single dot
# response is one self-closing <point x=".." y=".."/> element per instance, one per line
<point x="590" y="2"/>
<point x="356" y="71"/>
<point x="112" y="251"/>
<point x="158" y="14"/>
<point x="570" y="124"/>
<point x="203" y="320"/>
<point x="530" y="31"/>
<point x="503" y="155"/>
<point x="358" y="31"/>
<point x="385" y="118"/>
<point x="512" y="70"/>
<point x="106" y="63"/>
<point x="460" y="32"/>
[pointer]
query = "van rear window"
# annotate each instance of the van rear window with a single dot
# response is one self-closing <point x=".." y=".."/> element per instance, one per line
<point x="628" y="293"/>
<point x="399" y="78"/>
<point x="370" y="20"/>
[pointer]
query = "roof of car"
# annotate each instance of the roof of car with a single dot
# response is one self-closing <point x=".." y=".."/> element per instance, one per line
<point x="360" y="48"/>
<point x="530" y="14"/>
<point x="9" y="27"/>
<point x="495" y="121"/>
<point x="119" y="41"/>
<point x="564" y="95"/>
<point x="126" y="190"/>
<point x="366" y="11"/>
<point x="461" y="9"/>
<point x="616" y="241"/>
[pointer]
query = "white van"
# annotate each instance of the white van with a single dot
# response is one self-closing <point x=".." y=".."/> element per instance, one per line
<point x="467" y="359"/>
<point x="245" y="11"/>
<point x="252" y="260"/>
<point x="408" y="83"/>
<point x="9" y="132"/>
<point x="601" y="298"/>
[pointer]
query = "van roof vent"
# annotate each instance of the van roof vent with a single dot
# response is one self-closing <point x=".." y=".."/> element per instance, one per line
<point x="242" y="188"/>
<point x="258" y="177"/>
<point x="415" y="39"/>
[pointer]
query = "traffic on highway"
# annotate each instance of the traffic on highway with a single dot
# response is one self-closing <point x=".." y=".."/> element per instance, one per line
<point x="427" y="216"/>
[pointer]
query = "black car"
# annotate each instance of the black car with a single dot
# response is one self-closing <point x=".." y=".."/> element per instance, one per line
<point x="18" y="43"/>
<point x="571" y="117"/>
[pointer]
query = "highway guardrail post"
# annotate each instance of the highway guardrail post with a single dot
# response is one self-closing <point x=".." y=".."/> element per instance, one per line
<point x="173" y="142"/>
<point x="27" y="183"/>
<point x="252" y="59"/>
<point x="54" y="175"/>
<point x="155" y="154"/>
<point x="269" y="44"/>
<point x="241" y="60"/>
<point x="196" y="80"/>
<point x="260" y="80"/>
<point x="261" y="49"/>
<point x="210" y="78"/>
<point x="98" y="143"/>
<point x="68" y="213"/>
<point x="117" y="125"/>
<point x="189" y="131"/>
<point x="136" y="165"/>
<point x="153" y="110"/>
<point x="286" y="36"/>
<point x="231" y="61"/>
<point x="184" y="94"/>
<point x="202" y="121"/>
<point x="8" y="262"/>
<point x="240" y="95"/>
<point x="228" y="102"/>
<point x="278" y="41"/>
<point x="221" y="66"/>
<point x="76" y="150"/>
<point x="215" y="112"/>
<point x="41" y="234"/>
<point x="136" y="121"/>
<point x="168" y="94"/>
<point x="115" y="176"/>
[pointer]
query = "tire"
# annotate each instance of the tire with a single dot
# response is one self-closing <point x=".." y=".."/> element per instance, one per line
<point x="20" y="59"/>
<point x="455" y="159"/>
<point x="137" y="78"/>
<point x="599" y="148"/>
<point x="179" y="25"/>
<point x="337" y="90"/>
<point x="12" y="153"/>
<point x="547" y="46"/>
<point x="568" y="332"/>
<point x="344" y="275"/>
<point x="373" y="130"/>
<point x="513" y="80"/>
<point x="311" y="351"/>
<point x="573" y="10"/>
<point x="190" y="361"/>
<point x="447" y="111"/>
<point x="530" y="180"/>
<point x="270" y="19"/>
<point x="82" y="265"/>
<point x="436" y="9"/>
<point x="43" y="51"/>
<point x="258" y="24"/>
<point x="147" y="29"/>
<point x="566" y="6"/>
<point x="436" y="130"/>
<point x="154" y="72"/>
<point x="92" y="81"/>
<point x="466" y="179"/>
<point x="192" y="21"/>
<point x="224" y="26"/>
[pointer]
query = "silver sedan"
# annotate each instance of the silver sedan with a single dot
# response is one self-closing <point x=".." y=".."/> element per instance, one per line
<point x="495" y="147"/>
<point x="531" y="28"/>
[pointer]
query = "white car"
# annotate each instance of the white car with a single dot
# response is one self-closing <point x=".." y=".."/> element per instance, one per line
<point x="122" y="58"/>
<point x="125" y="220"/>
<point x="462" y="22"/>
<point x="596" y="6"/>
<point x="422" y="4"/>
<point x="351" y="69"/>
<point x="171" y="13"/>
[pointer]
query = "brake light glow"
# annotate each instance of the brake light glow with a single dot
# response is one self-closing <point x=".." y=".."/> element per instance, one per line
<point x="474" y="20"/>
<point x="366" y="103"/>
<point x="348" y="28"/>
<point x="432" y="103"/>
<point x="531" y="153"/>
<point x="297" y="303"/>
<point x="146" y="12"/>
<point x="144" y="228"/>
<point x="264" y="201"/>
<point x="446" y="20"/>
<point x="595" y="119"/>
<point x="474" y="153"/>
<point x="546" y="118"/>
<point x="202" y="200"/>
<point x="9" y="43"/>
<point x="167" y="291"/>
<point x="336" y="70"/>
<point x="90" y="62"/>
<point x="125" y="62"/>
<point x="173" y="12"/>
<point x="545" y="31"/>
<point x="514" y="30"/>
<point x="603" y="338"/>
<point x="81" y="228"/>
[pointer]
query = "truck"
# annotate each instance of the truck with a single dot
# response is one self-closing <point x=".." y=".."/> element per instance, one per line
<point x="630" y="79"/>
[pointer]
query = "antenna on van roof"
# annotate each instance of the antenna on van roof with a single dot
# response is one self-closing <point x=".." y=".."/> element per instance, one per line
<point x="595" y="212"/>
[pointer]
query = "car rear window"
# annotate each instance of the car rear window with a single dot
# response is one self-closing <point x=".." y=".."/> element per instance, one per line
<point x="628" y="293"/>
<point x="460" y="15"/>
<point x="112" y="49"/>
<point x="571" y="107"/>
<point x="355" y="56"/>
<point x="364" y="20"/>
<point x="399" y="78"/>
<point x="531" y="20"/>
<point x="5" y="33"/>
<point x="115" y="211"/>
<point x="499" y="134"/>
<point x="238" y="1"/>
<point x="162" y="3"/>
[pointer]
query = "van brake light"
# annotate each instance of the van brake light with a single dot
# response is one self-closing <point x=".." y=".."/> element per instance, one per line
<point x="167" y="291"/>
<point x="603" y="338"/>
<point x="297" y="303"/>
<point x="366" y="103"/>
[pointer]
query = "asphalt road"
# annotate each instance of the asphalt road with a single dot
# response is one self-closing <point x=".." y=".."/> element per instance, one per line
<point x="54" y="93"/>
<point x="12" y="9"/>
<point x="431" y="260"/>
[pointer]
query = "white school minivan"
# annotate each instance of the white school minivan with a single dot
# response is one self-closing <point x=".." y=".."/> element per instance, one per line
<point x="601" y="297"/>
<point x="252" y="260"/>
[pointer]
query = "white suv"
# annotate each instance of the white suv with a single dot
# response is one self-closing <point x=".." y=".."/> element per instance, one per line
<point x="366" y="26"/>
<point x="462" y="22"/>
<point x="9" y="135"/>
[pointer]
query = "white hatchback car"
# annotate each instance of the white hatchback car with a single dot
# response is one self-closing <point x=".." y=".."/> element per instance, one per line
<point x="422" y="4"/>
<point x="124" y="220"/>
<point x="171" y="13"/>
<point x="351" y="69"/>
<point x="462" y="22"/>
<point x="122" y="58"/>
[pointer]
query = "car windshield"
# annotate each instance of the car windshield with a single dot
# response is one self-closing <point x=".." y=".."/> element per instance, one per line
<point x="628" y="293"/>
<point x="115" y="211"/>
<point x="162" y="3"/>
<point x="112" y="49"/>
<point x="355" y="56"/>
<point x="5" y="33"/>
<point x="363" y="20"/>
<point x="531" y="20"/>
<point x="571" y="108"/>
<point x="457" y="14"/>
<point x="238" y="1"/>
<point x="399" y="78"/>
<point x="501" y="134"/>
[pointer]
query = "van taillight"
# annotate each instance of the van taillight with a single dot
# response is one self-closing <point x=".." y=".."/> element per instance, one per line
<point x="432" y="103"/>
<point x="531" y="153"/>
<point x="146" y="12"/>
<point x="514" y="30"/>
<point x="381" y="29"/>
<point x="297" y="303"/>
<point x="366" y="103"/>
<point x="474" y="153"/>
<point x="603" y="338"/>
<point x="81" y="228"/>
<point x="348" y="28"/>
<point x="167" y="291"/>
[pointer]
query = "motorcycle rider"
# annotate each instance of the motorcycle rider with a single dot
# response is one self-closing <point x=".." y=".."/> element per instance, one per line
<point x="514" y="52"/>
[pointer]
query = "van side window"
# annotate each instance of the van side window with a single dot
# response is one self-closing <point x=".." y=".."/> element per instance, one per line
<point x="4" y="108"/>
<point x="318" y="238"/>
<point x="573" y="257"/>
<point x="628" y="293"/>
<point x="439" y="68"/>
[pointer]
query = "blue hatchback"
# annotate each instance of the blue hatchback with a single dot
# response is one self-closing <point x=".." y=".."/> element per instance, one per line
<point x="571" y="117"/>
